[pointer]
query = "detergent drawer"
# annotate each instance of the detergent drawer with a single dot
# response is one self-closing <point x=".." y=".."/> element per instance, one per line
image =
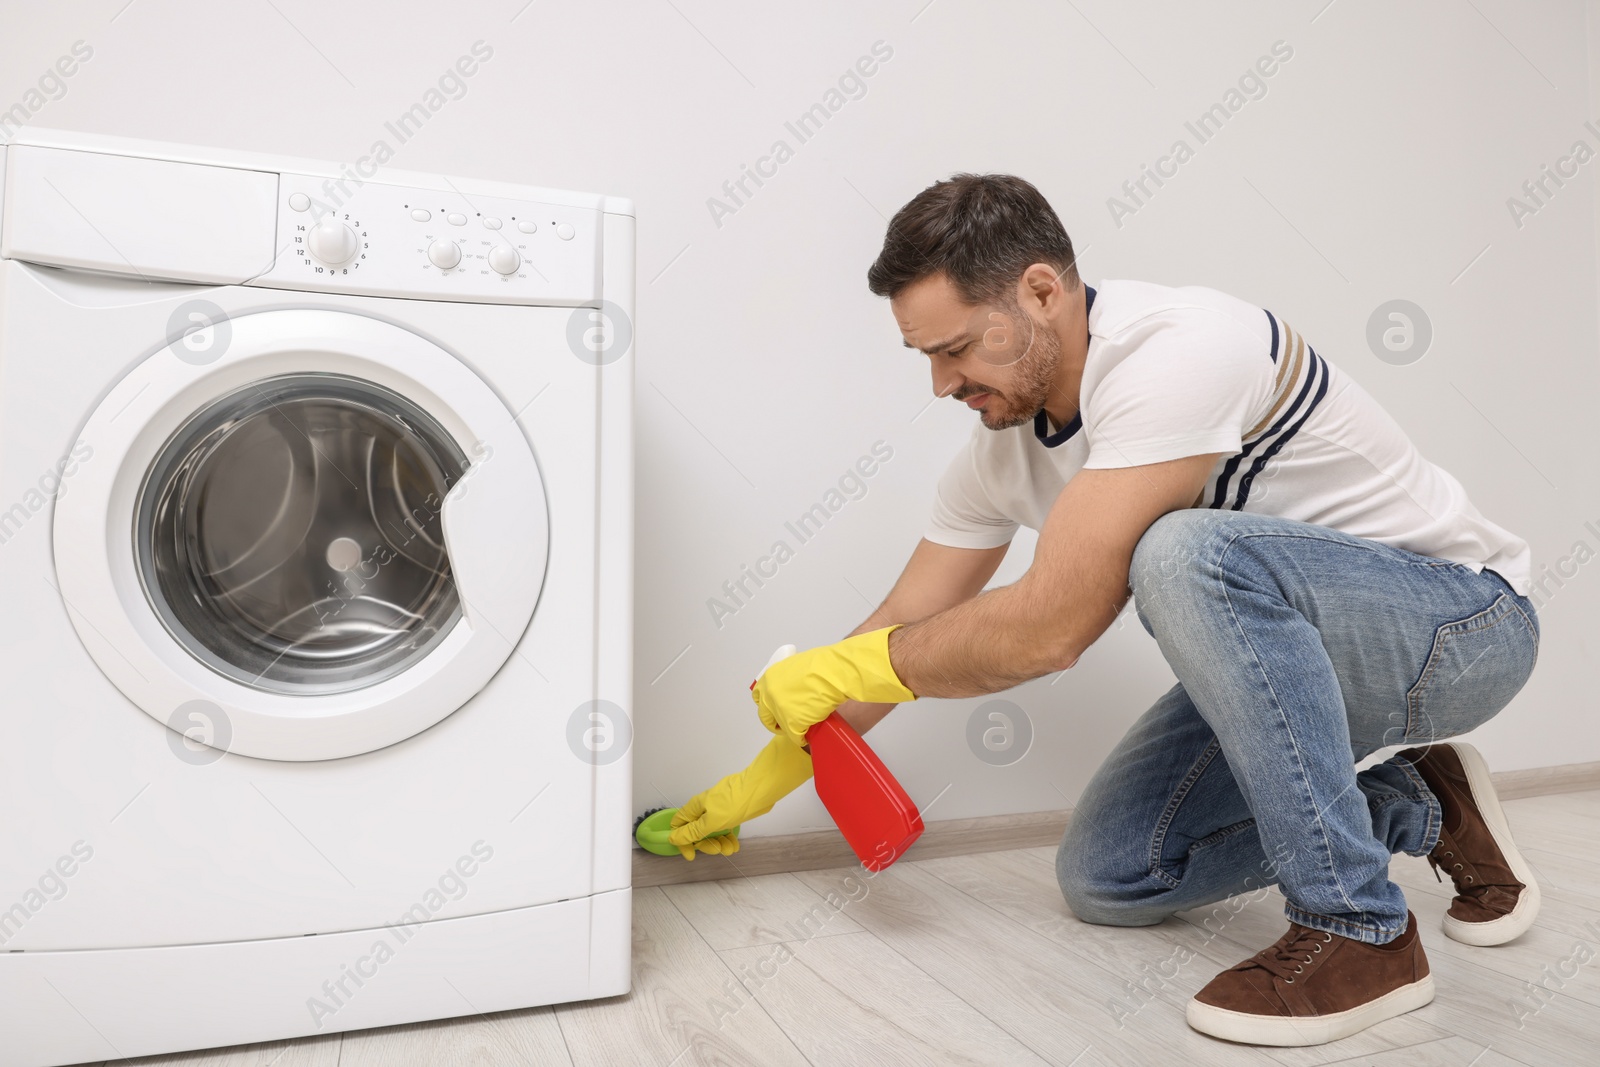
<point x="145" y="218"/>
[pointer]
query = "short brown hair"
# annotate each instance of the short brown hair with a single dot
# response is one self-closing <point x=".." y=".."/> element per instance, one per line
<point x="981" y="230"/>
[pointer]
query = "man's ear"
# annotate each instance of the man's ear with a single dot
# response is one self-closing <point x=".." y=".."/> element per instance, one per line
<point x="1043" y="289"/>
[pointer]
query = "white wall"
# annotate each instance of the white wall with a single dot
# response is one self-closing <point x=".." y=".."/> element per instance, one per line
<point x="1377" y="166"/>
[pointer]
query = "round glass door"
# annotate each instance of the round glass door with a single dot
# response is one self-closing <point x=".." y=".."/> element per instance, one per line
<point x="290" y="534"/>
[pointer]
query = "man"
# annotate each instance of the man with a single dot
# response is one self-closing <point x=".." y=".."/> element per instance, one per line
<point x="1320" y="590"/>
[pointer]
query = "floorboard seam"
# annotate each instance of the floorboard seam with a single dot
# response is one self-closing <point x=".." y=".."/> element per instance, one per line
<point x="735" y="976"/>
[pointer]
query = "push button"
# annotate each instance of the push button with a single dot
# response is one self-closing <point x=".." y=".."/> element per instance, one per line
<point x="421" y="214"/>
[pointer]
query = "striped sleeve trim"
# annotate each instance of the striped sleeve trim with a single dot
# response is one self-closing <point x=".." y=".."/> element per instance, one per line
<point x="1302" y="375"/>
<point x="1288" y="375"/>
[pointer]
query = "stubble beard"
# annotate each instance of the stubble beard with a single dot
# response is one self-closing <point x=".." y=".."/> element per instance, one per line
<point x="1035" y="377"/>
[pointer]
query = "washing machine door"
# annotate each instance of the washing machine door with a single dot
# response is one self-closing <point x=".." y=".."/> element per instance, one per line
<point x="313" y="538"/>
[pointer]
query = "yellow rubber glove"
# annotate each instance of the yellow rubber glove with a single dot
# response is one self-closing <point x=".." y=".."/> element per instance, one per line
<point x="778" y="770"/>
<point x="795" y="694"/>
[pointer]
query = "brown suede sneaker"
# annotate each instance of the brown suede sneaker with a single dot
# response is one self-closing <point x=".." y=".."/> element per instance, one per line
<point x="1496" y="896"/>
<point x="1312" y="987"/>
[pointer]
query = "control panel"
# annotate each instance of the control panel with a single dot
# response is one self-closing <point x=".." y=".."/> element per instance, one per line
<point x="387" y="240"/>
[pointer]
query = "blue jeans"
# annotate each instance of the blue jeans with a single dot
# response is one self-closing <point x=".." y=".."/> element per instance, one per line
<point x="1299" y="650"/>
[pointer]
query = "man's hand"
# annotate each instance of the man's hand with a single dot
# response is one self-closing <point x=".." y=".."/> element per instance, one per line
<point x="936" y="577"/>
<point x="796" y="693"/>
<point x="778" y="770"/>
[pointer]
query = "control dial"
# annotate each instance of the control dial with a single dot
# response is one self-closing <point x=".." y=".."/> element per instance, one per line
<point x="444" y="254"/>
<point x="504" y="259"/>
<point x="332" y="242"/>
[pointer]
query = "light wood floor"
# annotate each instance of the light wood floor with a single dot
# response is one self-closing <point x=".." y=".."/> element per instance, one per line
<point x="975" y="960"/>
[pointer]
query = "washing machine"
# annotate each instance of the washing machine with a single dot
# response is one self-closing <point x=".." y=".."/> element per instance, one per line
<point x="315" y="551"/>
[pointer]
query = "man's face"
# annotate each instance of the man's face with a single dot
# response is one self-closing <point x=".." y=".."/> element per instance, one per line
<point x="995" y="357"/>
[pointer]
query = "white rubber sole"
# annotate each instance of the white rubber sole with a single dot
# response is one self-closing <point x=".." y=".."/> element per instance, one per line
<point x="1516" y="922"/>
<point x="1286" y="1031"/>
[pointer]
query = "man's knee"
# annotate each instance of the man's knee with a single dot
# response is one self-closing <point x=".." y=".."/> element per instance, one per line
<point x="1170" y="547"/>
<point x="1168" y="561"/>
<point x="1092" y="892"/>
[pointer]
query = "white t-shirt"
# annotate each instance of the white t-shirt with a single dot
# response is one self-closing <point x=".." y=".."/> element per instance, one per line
<point x="1185" y="371"/>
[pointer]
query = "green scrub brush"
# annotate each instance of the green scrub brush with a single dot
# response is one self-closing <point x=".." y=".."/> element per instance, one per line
<point x="651" y="830"/>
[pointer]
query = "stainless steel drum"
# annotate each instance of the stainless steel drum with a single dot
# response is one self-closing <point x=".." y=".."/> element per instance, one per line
<point x="290" y="535"/>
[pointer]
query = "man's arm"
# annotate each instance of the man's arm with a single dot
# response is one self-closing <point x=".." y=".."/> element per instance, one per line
<point x="1073" y="591"/>
<point x="936" y="577"/>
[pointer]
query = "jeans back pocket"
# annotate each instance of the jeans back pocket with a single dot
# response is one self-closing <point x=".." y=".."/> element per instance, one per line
<point x="1475" y="667"/>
